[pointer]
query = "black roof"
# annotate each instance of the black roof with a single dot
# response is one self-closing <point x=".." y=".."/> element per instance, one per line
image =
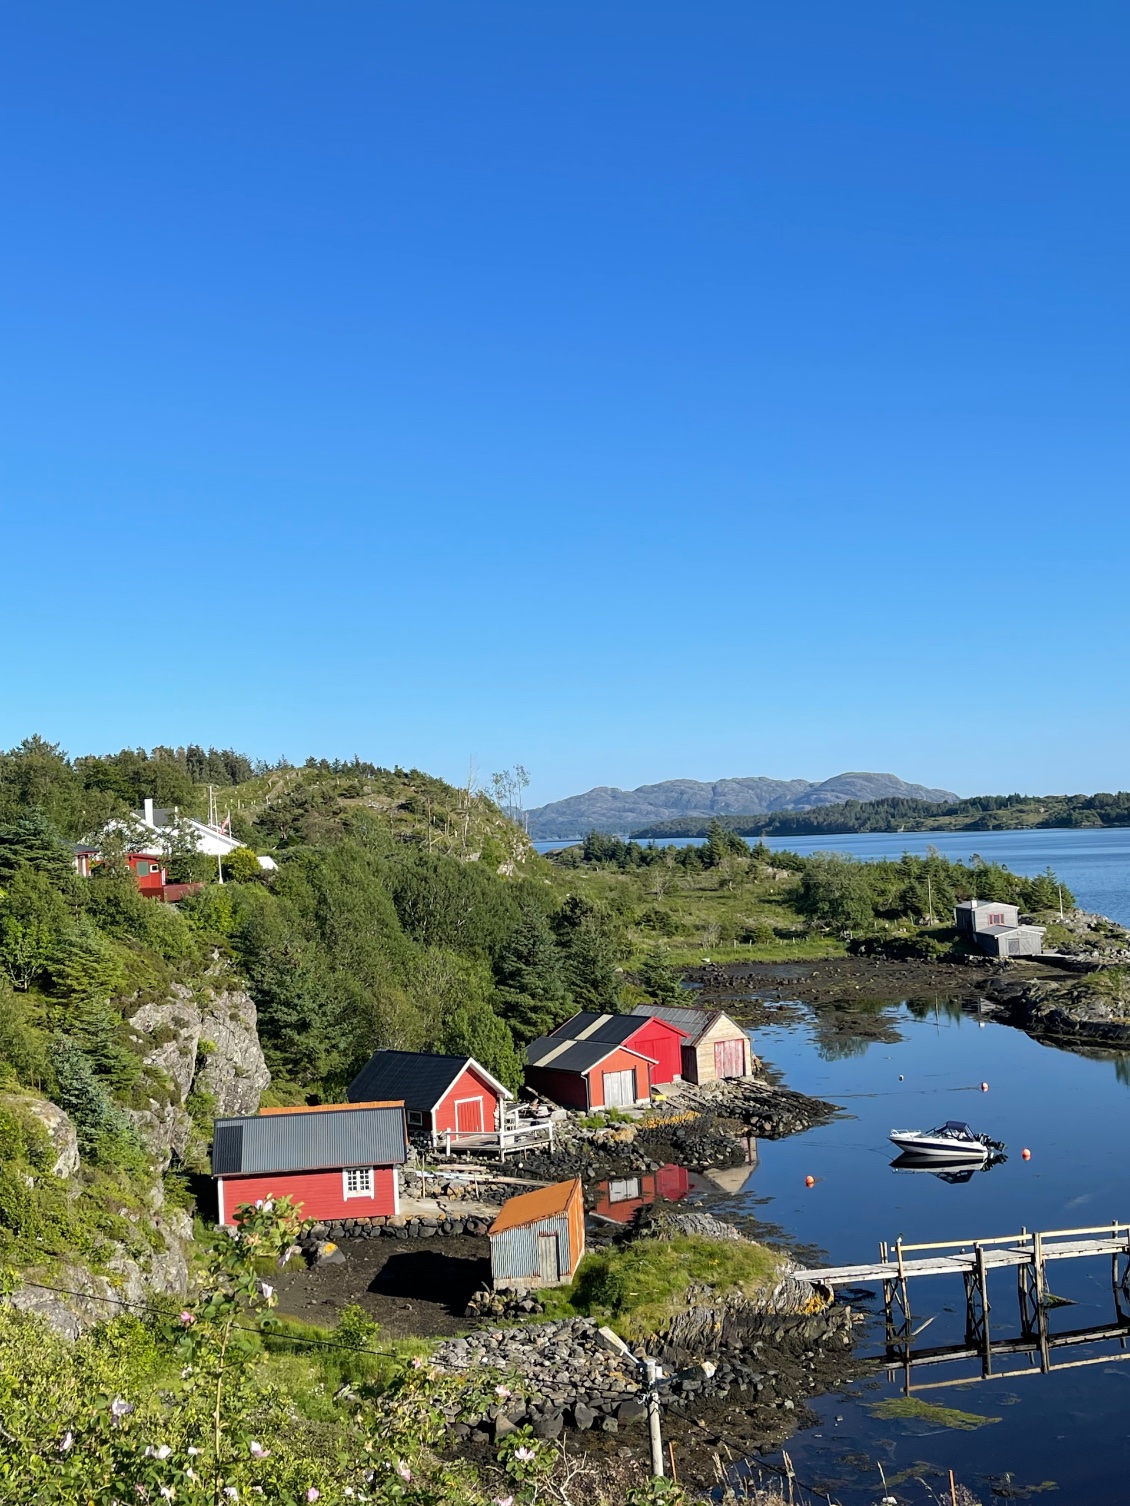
<point x="312" y="1141"/>
<point x="611" y="1029"/>
<point x="421" y="1078"/>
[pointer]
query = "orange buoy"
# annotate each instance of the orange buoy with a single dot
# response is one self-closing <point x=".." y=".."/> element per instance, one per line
<point x="810" y="1181"/>
<point x="1025" y="1154"/>
<point x="984" y="1087"/>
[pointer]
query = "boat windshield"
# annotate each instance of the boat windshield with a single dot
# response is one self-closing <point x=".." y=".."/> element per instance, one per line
<point x="956" y="1129"/>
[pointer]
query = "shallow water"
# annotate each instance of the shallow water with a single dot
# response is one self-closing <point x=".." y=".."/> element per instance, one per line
<point x="1073" y="1427"/>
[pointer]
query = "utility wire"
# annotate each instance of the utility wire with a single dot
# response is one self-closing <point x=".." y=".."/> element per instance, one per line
<point x="168" y="1312"/>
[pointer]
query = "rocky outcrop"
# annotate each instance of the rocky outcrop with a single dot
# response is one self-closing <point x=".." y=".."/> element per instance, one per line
<point x="73" y="1298"/>
<point x="204" y="1044"/>
<point x="57" y="1123"/>
<point x="1089" y="1011"/>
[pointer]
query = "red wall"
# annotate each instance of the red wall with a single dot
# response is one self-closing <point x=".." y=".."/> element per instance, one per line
<point x="319" y="1193"/>
<point x="663" y="1042"/>
<point x="566" y="1088"/>
<point x="619" y="1061"/>
<point x="467" y="1085"/>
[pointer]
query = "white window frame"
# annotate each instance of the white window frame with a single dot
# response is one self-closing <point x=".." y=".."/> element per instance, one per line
<point x="415" y="1117"/>
<point x="366" y="1178"/>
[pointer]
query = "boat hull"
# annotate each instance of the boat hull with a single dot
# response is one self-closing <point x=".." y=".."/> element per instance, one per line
<point x="928" y="1148"/>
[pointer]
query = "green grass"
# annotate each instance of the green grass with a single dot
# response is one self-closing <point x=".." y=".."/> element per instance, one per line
<point x="912" y="1409"/>
<point x="641" y="1287"/>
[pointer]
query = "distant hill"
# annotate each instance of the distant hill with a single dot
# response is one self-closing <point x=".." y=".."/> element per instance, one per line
<point x="608" y="809"/>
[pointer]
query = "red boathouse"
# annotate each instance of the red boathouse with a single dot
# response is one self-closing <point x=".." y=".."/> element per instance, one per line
<point x="339" y="1160"/>
<point x="441" y="1094"/>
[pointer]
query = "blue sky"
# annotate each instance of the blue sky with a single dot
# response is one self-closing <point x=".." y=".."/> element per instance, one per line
<point x="630" y="390"/>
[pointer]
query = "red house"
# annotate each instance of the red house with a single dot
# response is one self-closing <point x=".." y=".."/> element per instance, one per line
<point x="588" y="1074"/>
<point x="336" y="1161"/>
<point x="148" y="869"/>
<point x="441" y="1094"/>
<point x="660" y="1039"/>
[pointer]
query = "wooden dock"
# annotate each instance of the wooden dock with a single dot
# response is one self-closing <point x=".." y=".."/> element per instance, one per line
<point x="1029" y="1255"/>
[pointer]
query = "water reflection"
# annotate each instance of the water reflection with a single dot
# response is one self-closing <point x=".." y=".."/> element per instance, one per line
<point x="953" y="1172"/>
<point x="620" y="1198"/>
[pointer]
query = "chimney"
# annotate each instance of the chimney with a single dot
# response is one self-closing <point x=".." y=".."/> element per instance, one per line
<point x="148" y="817"/>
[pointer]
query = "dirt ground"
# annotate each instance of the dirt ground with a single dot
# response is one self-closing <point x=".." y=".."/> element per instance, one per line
<point x="412" y="1287"/>
<point x="839" y="980"/>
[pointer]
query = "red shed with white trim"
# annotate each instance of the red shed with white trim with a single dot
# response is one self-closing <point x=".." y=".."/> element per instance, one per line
<point x="336" y="1161"/>
<point x="588" y="1074"/>
<point x="441" y="1094"/>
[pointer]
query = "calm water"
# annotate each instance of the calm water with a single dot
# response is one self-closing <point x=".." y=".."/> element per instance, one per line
<point x="1071" y="1428"/>
<point x="1095" y="865"/>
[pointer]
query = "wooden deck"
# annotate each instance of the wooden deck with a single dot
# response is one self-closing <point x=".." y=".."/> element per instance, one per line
<point x="964" y="1257"/>
<point x="1028" y="1254"/>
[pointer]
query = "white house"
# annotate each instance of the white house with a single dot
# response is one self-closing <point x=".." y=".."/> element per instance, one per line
<point x="212" y="841"/>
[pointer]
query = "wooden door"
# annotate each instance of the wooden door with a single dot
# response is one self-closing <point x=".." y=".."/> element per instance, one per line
<point x="729" y="1058"/>
<point x="549" y="1272"/>
<point x="620" y="1089"/>
<point x="469" y="1116"/>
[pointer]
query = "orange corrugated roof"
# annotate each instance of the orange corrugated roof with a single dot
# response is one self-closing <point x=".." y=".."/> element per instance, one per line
<point x="328" y="1108"/>
<point x="528" y="1207"/>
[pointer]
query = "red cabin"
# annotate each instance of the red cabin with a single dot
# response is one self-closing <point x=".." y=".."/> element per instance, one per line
<point x="442" y="1094"/>
<point x="588" y="1074"/>
<point x="337" y="1161"/>
<point x="148" y="869"/>
<point x="658" y="1039"/>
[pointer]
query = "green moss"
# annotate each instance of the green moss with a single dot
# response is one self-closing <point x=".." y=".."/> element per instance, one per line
<point x="913" y="1409"/>
<point x="643" y="1286"/>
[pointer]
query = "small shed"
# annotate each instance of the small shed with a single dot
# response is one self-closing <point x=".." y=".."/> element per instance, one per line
<point x="588" y="1074"/>
<point x="997" y="929"/>
<point x="441" y="1094"/>
<point x="539" y="1237"/>
<point x="336" y="1161"/>
<point x="655" y="1038"/>
<point x="715" y="1047"/>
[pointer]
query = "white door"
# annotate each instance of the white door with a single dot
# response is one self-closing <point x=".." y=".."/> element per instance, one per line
<point x="549" y="1273"/>
<point x="620" y="1089"/>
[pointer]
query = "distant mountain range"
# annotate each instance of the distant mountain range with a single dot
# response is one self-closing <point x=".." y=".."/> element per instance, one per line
<point x="608" y="809"/>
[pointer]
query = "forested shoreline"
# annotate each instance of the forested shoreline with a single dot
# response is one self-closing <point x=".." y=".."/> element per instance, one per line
<point x="978" y="813"/>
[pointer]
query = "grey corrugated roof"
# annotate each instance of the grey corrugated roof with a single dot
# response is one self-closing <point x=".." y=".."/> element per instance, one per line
<point x="421" y="1078"/>
<point x="558" y="1055"/>
<point x="613" y="1029"/>
<point x="696" y="1022"/>
<point x="309" y="1142"/>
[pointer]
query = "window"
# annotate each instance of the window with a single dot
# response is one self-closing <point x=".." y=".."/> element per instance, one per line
<point x="142" y="869"/>
<point x="996" y="920"/>
<point x="415" y="1116"/>
<point x="358" y="1181"/>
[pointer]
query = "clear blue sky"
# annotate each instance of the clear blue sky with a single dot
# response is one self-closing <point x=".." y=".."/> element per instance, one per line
<point x="629" y="389"/>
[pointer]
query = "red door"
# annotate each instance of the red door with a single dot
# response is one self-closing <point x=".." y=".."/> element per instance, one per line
<point x="469" y="1116"/>
<point x="729" y="1058"/>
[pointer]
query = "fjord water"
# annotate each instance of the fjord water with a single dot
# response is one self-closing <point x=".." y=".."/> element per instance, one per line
<point x="1094" y="863"/>
<point x="1072" y="1111"/>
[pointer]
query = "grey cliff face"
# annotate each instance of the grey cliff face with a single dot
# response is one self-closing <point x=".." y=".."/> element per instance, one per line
<point x="206" y="1045"/>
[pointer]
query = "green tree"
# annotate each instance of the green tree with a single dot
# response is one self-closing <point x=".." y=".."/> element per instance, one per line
<point x="528" y="972"/>
<point x="475" y="1030"/>
<point x="834" y="890"/>
<point x="241" y="866"/>
<point x="658" y="978"/>
<point x="587" y="936"/>
<point x="32" y="841"/>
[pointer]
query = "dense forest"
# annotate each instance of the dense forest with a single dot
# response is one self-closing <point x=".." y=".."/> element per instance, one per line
<point x="979" y="813"/>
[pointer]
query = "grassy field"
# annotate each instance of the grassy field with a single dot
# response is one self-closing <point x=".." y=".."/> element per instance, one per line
<point x="740" y="914"/>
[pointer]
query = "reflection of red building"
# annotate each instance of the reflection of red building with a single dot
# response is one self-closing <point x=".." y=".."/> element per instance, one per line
<point x="620" y="1198"/>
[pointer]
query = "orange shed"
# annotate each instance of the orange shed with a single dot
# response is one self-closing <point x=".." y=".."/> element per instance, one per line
<point x="539" y="1237"/>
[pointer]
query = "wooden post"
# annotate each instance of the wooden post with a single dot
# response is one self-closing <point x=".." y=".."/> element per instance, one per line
<point x="983" y="1282"/>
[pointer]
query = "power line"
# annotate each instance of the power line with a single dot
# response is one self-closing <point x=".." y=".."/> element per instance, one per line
<point x="168" y="1312"/>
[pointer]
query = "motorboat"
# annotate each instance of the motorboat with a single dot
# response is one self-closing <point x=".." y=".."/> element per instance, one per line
<point x="952" y="1141"/>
